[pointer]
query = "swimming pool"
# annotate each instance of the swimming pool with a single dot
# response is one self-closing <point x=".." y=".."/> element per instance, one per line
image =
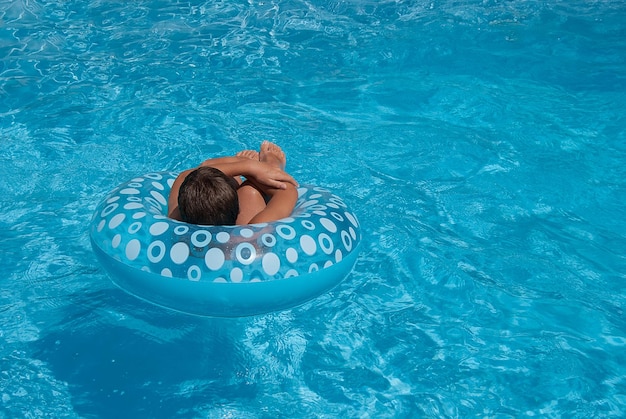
<point x="482" y="145"/>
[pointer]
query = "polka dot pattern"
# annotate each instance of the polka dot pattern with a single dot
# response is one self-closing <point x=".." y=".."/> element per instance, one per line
<point x="131" y="226"/>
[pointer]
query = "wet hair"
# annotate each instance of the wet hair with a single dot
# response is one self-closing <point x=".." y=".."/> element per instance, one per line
<point x="208" y="197"/>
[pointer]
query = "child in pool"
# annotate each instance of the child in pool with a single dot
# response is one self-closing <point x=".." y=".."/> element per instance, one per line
<point x="214" y="194"/>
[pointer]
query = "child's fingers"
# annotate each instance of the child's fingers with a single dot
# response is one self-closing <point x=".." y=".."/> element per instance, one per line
<point x="289" y="179"/>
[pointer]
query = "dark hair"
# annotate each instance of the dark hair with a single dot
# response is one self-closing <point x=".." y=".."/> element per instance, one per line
<point x="208" y="197"/>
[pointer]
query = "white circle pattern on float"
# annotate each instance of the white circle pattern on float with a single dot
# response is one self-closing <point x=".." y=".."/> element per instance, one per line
<point x="286" y="232"/>
<point x="328" y="225"/>
<point x="309" y="225"/>
<point x="351" y="218"/>
<point x="337" y="216"/>
<point x="308" y="240"/>
<point x="154" y="204"/>
<point x="159" y="228"/>
<point x="134" y="227"/>
<point x="160" y="198"/>
<point x="337" y="201"/>
<point x="236" y="275"/>
<point x="326" y="243"/>
<point x="179" y="253"/>
<point x="116" y="221"/>
<point x="347" y="240"/>
<point x="246" y="233"/>
<point x="133" y="248"/>
<point x="214" y="259"/>
<point x="200" y="238"/>
<point x="160" y="246"/>
<point x="129" y="191"/>
<point x="194" y="273"/>
<point x="245" y="253"/>
<point x="309" y="203"/>
<point x="180" y="230"/>
<point x="109" y="209"/>
<point x="271" y="263"/>
<point x="307" y="244"/>
<point x="292" y="255"/>
<point x="222" y="237"/>
<point x="268" y="240"/>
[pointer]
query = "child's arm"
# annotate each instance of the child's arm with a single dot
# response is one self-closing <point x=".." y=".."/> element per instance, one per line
<point x="273" y="182"/>
<point x="268" y="176"/>
<point x="280" y="205"/>
<point x="261" y="173"/>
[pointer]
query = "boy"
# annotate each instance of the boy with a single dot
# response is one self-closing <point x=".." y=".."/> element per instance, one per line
<point x="213" y="193"/>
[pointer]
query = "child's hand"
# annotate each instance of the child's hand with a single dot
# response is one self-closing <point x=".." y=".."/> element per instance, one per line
<point x="268" y="176"/>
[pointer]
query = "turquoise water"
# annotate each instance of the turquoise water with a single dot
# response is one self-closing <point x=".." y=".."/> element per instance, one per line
<point x="482" y="144"/>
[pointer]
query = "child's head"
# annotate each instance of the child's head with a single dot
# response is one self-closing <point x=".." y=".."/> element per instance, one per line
<point x="208" y="197"/>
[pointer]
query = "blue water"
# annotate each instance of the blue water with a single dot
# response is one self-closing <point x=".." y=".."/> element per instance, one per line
<point x="482" y="143"/>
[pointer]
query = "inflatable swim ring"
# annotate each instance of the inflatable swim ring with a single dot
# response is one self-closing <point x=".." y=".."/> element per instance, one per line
<point x="222" y="270"/>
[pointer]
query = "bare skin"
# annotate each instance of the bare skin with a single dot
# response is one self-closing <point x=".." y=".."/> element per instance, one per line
<point x="251" y="199"/>
<point x="268" y="194"/>
<point x="250" y="154"/>
<point x="263" y="203"/>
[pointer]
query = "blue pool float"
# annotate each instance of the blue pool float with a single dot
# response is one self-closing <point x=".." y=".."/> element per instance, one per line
<point x="222" y="270"/>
